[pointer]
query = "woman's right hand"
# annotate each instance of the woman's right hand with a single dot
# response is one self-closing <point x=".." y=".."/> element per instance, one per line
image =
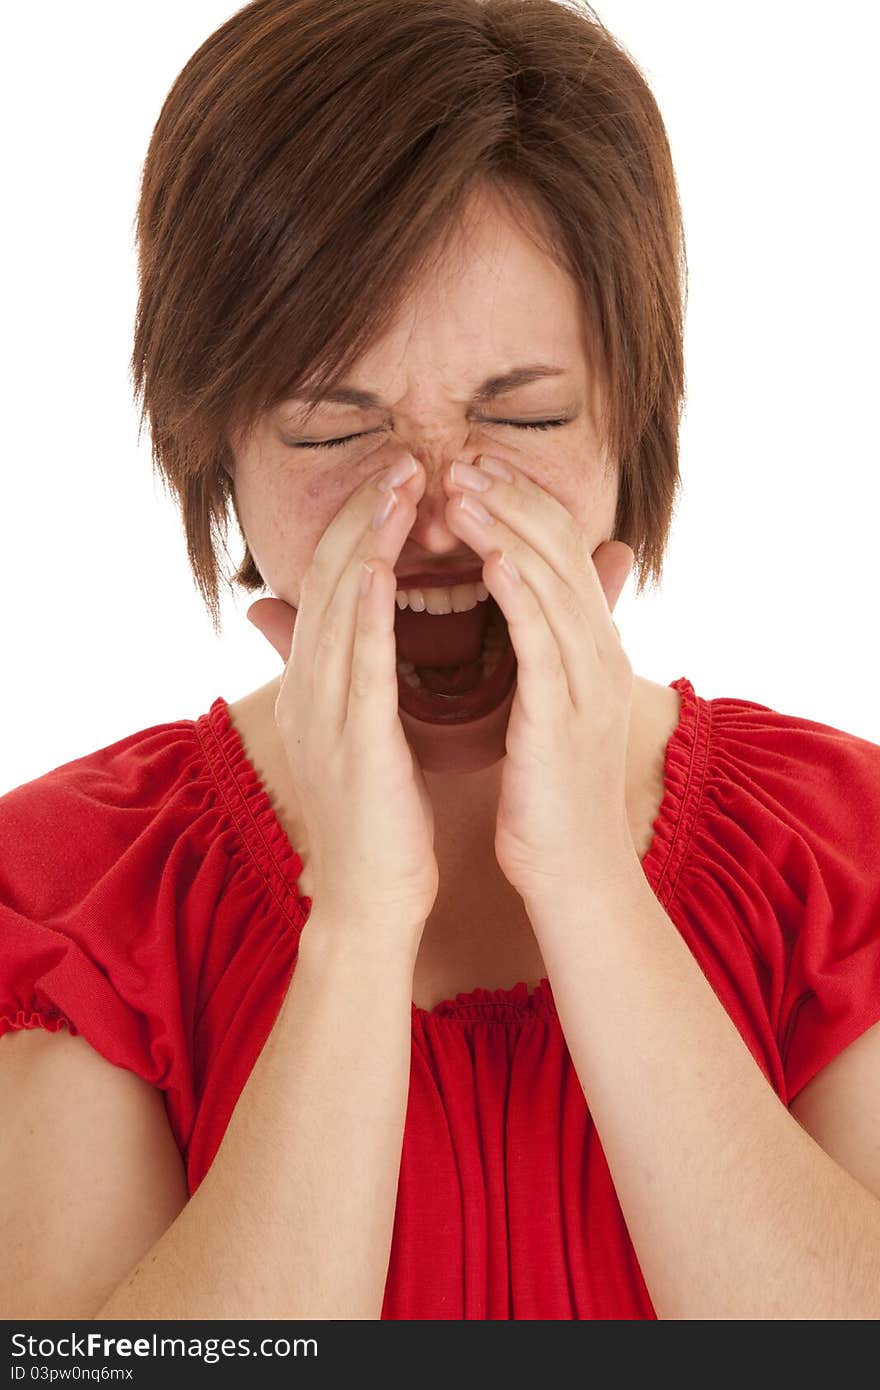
<point x="368" y="818"/>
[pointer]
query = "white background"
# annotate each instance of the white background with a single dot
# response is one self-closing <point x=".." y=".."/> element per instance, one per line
<point x="770" y="587"/>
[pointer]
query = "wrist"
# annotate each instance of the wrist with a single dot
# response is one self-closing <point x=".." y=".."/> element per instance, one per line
<point x="586" y="899"/>
<point x="329" y="938"/>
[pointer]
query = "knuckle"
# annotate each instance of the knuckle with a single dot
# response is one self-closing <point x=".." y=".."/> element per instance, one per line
<point x="569" y="603"/>
<point x="515" y="547"/>
<point x="573" y="547"/>
<point x="360" y="684"/>
<point x="517" y="503"/>
<point x="558" y="673"/>
<point x="328" y="637"/>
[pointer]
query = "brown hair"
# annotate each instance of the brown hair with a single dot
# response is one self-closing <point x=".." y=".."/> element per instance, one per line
<point x="311" y="159"/>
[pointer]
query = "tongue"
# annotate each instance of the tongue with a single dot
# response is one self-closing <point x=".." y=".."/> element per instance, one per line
<point x="445" y="648"/>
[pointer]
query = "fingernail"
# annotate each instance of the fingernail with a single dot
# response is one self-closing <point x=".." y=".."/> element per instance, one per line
<point x="509" y="568"/>
<point x="463" y="475"/>
<point x="397" y="474"/>
<point x="384" y="510"/>
<point x="475" y="509"/>
<point x="497" y="469"/>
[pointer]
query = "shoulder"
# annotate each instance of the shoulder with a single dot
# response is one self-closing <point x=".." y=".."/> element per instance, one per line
<point x="81" y="812"/>
<point x="96" y="844"/>
<point x="781" y="876"/>
<point x="818" y="780"/>
<point x="781" y="824"/>
<point x="99" y="861"/>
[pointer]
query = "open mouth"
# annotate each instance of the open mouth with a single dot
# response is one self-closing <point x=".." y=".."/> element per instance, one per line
<point x="454" y="691"/>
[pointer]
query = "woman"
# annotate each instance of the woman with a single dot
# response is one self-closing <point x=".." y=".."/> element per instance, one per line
<point x="458" y="972"/>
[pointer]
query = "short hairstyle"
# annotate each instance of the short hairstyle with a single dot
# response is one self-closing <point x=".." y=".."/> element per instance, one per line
<point x="314" y="156"/>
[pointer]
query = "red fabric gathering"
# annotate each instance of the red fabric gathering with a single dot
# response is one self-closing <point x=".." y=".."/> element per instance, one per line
<point x="148" y="901"/>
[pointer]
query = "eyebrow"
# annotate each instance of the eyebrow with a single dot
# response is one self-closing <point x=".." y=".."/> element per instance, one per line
<point x="492" y="387"/>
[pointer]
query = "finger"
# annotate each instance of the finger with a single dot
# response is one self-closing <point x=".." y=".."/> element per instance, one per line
<point x="575" y="626"/>
<point x="541" y="670"/>
<point x="324" y="635"/>
<point x="372" y="703"/>
<point x="338" y="640"/>
<point x="548" y="627"/>
<point x="540" y="528"/>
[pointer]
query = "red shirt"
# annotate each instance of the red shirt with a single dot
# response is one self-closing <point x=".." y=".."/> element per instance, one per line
<point x="148" y="901"/>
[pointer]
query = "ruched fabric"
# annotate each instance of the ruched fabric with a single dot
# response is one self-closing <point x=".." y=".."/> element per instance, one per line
<point x="149" y="902"/>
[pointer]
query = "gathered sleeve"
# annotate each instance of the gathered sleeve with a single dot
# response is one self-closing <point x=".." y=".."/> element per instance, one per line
<point x="780" y="884"/>
<point x="832" y="990"/>
<point x="125" y="890"/>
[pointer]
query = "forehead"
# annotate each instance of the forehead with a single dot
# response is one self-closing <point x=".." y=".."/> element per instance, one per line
<point x="496" y="273"/>
<point x="498" y="384"/>
<point x="496" y="309"/>
<point x="494" y="312"/>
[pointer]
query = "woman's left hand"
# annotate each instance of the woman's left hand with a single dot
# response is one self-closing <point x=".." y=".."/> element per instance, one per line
<point x="562" y="821"/>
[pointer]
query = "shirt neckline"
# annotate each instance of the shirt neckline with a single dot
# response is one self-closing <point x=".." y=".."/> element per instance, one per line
<point x="250" y="808"/>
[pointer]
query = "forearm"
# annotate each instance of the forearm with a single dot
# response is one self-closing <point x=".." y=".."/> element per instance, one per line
<point x="295" y="1216"/>
<point x="733" y="1209"/>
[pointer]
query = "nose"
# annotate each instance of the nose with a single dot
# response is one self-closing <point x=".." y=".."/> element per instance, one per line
<point x="430" y="535"/>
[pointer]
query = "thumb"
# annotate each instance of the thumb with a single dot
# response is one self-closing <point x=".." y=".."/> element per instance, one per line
<point x="275" y="619"/>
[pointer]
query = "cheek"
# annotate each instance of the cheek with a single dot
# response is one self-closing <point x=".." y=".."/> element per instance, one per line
<point x="580" y="483"/>
<point x="326" y="492"/>
<point x="284" y="519"/>
<point x="577" y="478"/>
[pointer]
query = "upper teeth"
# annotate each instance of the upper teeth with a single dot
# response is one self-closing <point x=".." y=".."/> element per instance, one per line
<point x="458" y="599"/>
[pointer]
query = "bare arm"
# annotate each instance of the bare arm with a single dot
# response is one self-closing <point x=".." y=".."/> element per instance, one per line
<point x="295" y="1216"/>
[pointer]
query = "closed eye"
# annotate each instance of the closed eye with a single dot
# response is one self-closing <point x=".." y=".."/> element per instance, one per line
<point x="346" y="439"/>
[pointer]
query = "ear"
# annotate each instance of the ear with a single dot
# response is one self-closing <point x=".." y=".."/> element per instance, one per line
<point x="275" y="619"/>
<point x="613" y="561"/>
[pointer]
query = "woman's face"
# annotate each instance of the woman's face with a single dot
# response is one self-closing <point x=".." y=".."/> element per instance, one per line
<point x="496" y="303"/>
